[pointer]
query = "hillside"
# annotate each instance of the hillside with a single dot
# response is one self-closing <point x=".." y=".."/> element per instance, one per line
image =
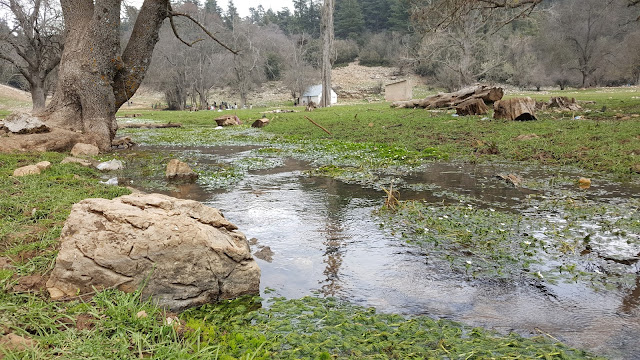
<point x="14" y="99"/>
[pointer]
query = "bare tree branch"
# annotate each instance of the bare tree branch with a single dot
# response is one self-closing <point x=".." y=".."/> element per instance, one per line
<point x="172" y="14"/>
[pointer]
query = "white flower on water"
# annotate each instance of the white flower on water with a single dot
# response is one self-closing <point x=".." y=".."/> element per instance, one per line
<point x="539" y="275"/>
<point x="527" y="243"/>
<point x="468" y="262"/>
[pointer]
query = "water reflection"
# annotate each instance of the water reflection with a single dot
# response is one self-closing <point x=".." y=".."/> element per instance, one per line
<point x="325" y="241"/>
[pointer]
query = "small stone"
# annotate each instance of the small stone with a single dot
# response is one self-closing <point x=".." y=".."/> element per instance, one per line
<point x="141" y="314"/>
<point x="177" y="169"/>
<point x="43" y="165"/>
<point x="75" y="160"/>
<point x="27" y="170"/>
<point x="584" y="183"/>
<point x="111" y="165"/>
<point x="81" y="149"/>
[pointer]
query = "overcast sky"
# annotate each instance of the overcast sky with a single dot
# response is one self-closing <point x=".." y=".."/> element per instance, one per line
<point x="244" y="5"/>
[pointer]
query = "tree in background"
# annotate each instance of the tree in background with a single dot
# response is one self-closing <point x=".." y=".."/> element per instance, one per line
<point x="348" y="21"/>
<point x="587" y="33"/>
<point x="33" y="44"/>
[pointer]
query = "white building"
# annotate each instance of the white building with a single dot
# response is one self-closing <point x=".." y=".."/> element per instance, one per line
<point x="314" y="93"/>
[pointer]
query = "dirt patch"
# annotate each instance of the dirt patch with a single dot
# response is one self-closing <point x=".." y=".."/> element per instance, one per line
<point x="30" y="284"/>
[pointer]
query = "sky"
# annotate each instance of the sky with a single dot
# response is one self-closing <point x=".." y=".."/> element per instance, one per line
<point x="244" y="5"/>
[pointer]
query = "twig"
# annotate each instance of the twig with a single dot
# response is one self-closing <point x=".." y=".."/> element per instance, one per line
<point x="318" y="125"/>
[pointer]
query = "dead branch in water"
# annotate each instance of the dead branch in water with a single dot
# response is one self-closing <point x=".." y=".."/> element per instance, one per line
<point x="391" y="202"/>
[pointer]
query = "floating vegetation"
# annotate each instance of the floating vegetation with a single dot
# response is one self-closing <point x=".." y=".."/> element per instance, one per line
<point x="313" y="328"/>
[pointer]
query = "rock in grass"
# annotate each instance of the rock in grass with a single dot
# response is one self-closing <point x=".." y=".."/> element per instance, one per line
<point x="178" y="170"/>
<point x="181" y="252"/>
<point x="22" y="123"/>
<point x="111" y="165"/>
<point x="81" y="149"/>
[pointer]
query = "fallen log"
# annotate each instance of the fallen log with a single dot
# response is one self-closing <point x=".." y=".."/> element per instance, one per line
<point x="149" y="126"/>
<point x="472" y="107"/>
<point x="450" y="100"/>
<point x="515" y="109"/>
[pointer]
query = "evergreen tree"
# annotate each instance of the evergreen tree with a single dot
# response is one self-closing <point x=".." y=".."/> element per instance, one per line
<point x="232" y="15"/>
<point x="211" y="7"/>
<point x="399" y="19"/>
<point x="376" y="14"/>
<point x="348" y="20"/>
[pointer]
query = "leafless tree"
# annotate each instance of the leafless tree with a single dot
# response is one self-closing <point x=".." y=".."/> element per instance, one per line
<point x="586" y="33"/>
<point x="299" y="74"/>
<point x="33" y="43"/>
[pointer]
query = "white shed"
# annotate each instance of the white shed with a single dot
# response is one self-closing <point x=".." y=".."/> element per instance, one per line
<point x="314" y="93"/>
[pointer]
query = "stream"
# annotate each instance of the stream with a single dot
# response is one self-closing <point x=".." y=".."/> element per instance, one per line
<point x="326" y="240"/>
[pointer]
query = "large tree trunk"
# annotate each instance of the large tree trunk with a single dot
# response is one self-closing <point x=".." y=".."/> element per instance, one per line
<point x="93" y="79"/>
<point x="38" y="95"/>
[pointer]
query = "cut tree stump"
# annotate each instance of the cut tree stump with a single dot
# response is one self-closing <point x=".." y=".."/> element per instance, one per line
<point x="515" y="109"/>
<point x="260" y="123"/>
<point x="472" y="107"/>
<point x="450" y="100"/>
<point x="228" y="120"/>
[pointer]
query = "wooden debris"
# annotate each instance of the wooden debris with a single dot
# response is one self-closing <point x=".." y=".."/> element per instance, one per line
<point x="450" y="100"/>
<point x="512" y="179"/>
<point x="149" y="126"/>
<point x="564" y="103"/>
<point x="392" y="201"/>
<point x="472" y="107"/>
<point x="318" y="125"/>
<point x="228" y="120"/>
<point x="260" y="123"/>
<point x="515" y="109"/>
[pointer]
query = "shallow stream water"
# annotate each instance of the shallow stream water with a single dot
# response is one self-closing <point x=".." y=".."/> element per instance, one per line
<point x="326" y="241"/>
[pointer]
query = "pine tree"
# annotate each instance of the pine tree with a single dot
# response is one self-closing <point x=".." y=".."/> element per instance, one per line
<point x="232" y="15"/>
<point x="211" y="7"/>
<point x="348" y="20"/>
<point x="399" y="16"/>
<point x="376" y="14"/>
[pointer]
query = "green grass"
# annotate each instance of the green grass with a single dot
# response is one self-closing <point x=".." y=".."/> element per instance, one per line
<point x="34" y="207"/>
<point x="606" y="141"/>
<point x="109" y="327"/>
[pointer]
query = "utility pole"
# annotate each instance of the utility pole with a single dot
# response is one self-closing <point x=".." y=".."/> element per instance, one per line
<point x="327" y="51"/>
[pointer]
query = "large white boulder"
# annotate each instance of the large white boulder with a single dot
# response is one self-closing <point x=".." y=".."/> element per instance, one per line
<point x="181" y="252"/>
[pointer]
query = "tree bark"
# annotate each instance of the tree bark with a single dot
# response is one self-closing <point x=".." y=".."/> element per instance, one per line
<point x="93" y="79"/>
<point x="515" y="109"/>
